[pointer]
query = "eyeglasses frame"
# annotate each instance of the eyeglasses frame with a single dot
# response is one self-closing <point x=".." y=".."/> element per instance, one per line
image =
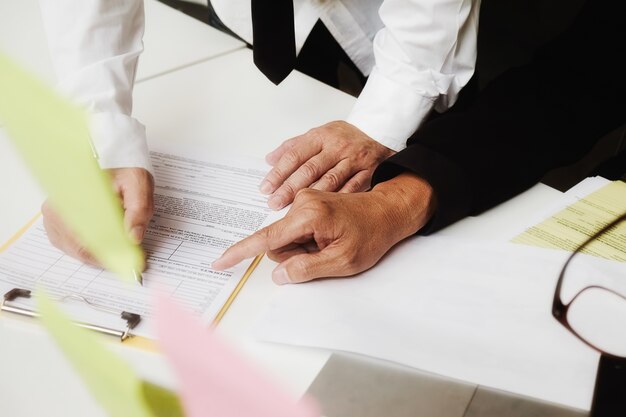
<point x="560" y="309"/>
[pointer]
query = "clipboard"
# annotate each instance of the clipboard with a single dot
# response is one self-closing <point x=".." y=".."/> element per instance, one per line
<point x="10" y="303"/>
<point x="132" y="319"/>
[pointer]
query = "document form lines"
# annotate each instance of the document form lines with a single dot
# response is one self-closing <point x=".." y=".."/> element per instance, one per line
<point x="212" y="192"/>
<point x="184" y="250"/>
<point x="191" y="260"/>
<point x="50" y="254"/>
<point x="188" y="231"/>
<point x="30" y="259"/>
<point x="205" y="166"/>
<point x="258" y="206"/>
<point x="9" y="266"/>
<point x="209" y="189"/>
<point x="181" y="262"/>
<point x="192" y="249"/>
<point x="43" y="274"/>
<point x="41" y="248"/>
<point x="175" y="250"/>
<point x="218" y="171"/>
<point x="206" y="180"/>
<point x="180" y="220"/>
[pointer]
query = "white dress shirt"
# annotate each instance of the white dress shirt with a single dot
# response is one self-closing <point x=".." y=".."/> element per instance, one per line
<point x="418" y="55"/>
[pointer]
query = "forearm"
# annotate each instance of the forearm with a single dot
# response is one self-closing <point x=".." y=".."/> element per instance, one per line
<point x="424" y="56"/>
<point x="95" y="45"/>
<point x="408" y="203"/>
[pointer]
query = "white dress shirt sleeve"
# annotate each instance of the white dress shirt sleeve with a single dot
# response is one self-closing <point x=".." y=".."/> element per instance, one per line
<point x="424" y="55"/>
<point x="95" y="45"/>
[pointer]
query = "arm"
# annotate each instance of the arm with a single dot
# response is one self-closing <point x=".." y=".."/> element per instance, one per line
<point x="424" y="56"/>
<point x="95" y="45"/>
<point x="526" y="122"/>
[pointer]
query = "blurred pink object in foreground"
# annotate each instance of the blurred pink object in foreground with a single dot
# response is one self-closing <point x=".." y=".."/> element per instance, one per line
<point x="215" y="380"/>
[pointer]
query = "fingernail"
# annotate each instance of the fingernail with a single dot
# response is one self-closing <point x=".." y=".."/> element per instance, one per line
<point x="275" y="202"/>
<point x="137" y="233"/>
<point x="266" y="187"/>
<point x="280" y="276"/>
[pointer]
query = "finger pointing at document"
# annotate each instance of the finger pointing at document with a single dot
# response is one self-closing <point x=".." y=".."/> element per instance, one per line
<point x="328" y="234"/>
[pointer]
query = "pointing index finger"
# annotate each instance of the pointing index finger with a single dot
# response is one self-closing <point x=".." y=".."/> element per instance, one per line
<point x="274" y="236"/>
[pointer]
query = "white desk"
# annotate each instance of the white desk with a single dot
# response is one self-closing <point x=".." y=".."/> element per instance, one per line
<point x="219" y="105"/>
<point x="226" y="104"/>
<point x="172" y="39"/>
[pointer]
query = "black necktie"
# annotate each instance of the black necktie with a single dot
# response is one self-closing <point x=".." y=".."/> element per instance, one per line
<point x="274" y="41"/>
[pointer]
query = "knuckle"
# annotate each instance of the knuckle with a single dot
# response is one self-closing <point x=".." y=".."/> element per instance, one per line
<point x="82" y="253"/>
<point x="291" y="142"/>
<point x="269" y="234"/>
<point x="298" y="269"/>
<point x="309" y="170"/>
<point x="363" y="156"/>
<point x="291" y="157"/>
<point x="317" y="135"/>
<point x="304" y="195"/>
<point x="354" y="185"/>
<point x="275" y="175"/>
<point x="318" y="210"/>
<point x="273" y="255"/>
<point x="287" y="189"/>
<point x="146" y="206"/>
<point x="332" y="180"/>
<point x="263" y="234"/>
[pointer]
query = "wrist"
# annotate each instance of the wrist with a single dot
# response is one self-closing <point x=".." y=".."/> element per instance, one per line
<point x="408" y="203"/>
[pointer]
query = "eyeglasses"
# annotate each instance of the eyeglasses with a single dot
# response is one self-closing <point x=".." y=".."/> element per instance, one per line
<point x="595" y="314"/>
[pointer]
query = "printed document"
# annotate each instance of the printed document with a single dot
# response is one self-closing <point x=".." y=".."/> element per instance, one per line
<point x="571" y="226"/>
<point x="201" y="208"/>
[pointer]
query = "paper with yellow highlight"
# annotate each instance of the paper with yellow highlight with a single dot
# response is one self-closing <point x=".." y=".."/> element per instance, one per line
<point x="570" y="227"/>
<point x="114" y="385"/>
<point x="52" y="136"/>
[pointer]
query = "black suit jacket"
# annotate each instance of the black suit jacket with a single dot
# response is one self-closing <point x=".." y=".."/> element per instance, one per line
<point x="527" y="121"/>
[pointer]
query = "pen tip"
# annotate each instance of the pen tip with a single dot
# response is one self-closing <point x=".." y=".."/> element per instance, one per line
<point x="138" y="277"/>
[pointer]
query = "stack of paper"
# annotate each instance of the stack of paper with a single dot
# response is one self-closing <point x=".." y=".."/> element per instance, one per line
<point x="478" y="313"/>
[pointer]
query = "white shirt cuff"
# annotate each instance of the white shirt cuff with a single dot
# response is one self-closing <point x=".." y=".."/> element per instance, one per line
<point x="389" y="112"/>
<point x="120" y="141"/>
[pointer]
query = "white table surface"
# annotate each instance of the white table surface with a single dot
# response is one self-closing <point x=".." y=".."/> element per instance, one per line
<point x="222" y="105"/>
<point x="172" y="39"/>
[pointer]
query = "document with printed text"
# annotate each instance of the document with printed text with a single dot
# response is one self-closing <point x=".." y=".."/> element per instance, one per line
<point x="201" y="208"/>
<point x="571" y="226"/>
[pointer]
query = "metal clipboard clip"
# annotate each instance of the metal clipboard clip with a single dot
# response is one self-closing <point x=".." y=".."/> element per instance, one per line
<point x="132" y="319"/>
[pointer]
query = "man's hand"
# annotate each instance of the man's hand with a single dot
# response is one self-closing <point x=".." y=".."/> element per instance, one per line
<point x="135" y="187"/>
<point x="333" y="157"/>
<point x="330" y="234"/>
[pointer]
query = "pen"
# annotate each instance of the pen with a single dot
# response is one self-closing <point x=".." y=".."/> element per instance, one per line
<point x="138" y="277"/>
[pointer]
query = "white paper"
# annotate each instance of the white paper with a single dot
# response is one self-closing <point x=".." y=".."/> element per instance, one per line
<point x="201" y="208"/>
<point x="477" y="313"/>
<point x="586" y="187"/>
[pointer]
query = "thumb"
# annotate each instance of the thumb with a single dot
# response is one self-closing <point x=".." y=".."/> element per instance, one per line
<point x="138" y="204"/>
<point x="326" y="263"/>
<point x="137" y="215"/>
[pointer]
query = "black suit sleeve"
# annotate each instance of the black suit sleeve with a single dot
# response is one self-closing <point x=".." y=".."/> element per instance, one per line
<point x="526" y="122"/>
